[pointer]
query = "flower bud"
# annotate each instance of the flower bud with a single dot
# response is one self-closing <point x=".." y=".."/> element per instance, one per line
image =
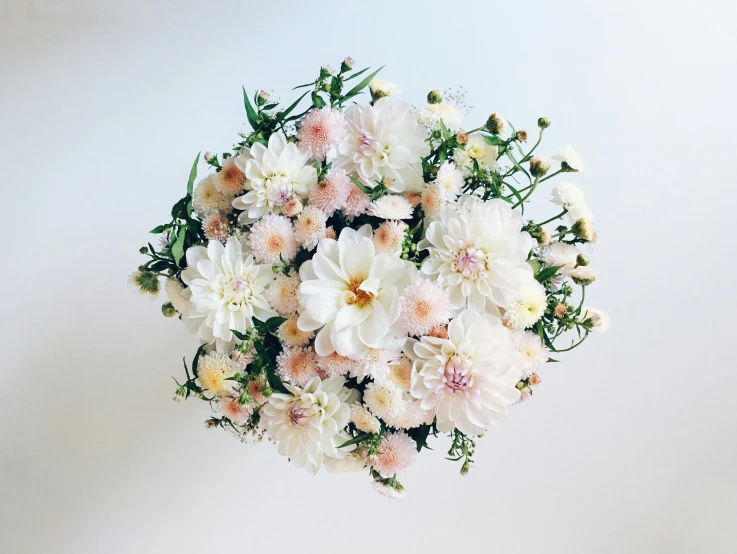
<point x="439" y="331"/>
<point x="465" y="468"/>
<point x="543" y="123"/>
<point x="520" y="385"/>
<point x="379" y="89"/>
<point x="561" y="309"/>
<point x="209" y="156"/>
<point x="582" y="259"/>
<point x="180" y="395"/>
<point x="539" y="166"/>
<point x="262" y="97"/>
<point x="328" y="69"/>
<point x="534" y="379"/>
<point x="143" y="250"/>
<point x="583" y="229"/>
<point x="521" y="135"/>
<point x="168" y="310"/>
<point x="462" y="137"/>
<point x="211" y="423"/>
<point x="347" y="64"/>
<point x="495" y="124"/>
<point x="434" y="97"/>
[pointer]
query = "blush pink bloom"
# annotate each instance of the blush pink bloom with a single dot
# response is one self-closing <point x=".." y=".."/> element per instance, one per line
<point x="332" y="193"/>
<point x="320" y="131"/>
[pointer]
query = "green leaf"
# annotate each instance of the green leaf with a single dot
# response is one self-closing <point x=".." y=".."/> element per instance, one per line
<point x="196" y="360"/>
<point x="273" y="323"/>
<point x="551" y="360"/>
<point x="177" y="249"/>
<point x="193" y="175"/>
<point x="318" y="100"/>
<point x="360" y="86"/>
<point x="516" y="193"/>
<point x="159" y="229"/>
<point x="535" y="264"/>
<point x="250" y="112"/>
<point x="547" y="273"/>
<point x="420" y="434"/>
<point x="444" y="130"/>
<point x="274" y="382"/>
<point x="289" y="110"/>
<point x="355" y="440"/>
<point x="493" y="139"/>
<point x="239" y="335"/>
<point x="357" y="73"/>
<point x="179" y="209"/>
<point x="360" y="185"/>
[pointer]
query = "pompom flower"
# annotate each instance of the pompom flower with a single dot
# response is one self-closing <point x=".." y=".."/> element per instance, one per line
<point x="320" y="132"/>
<point x="391" y="206"/>
<point x="357" y="203"/>
<point x="235" y="411"/>
<point x="432" y="114"/>
<point x="569" y="158"/>
<point x="400" y="372"/>
<point x="273" y="239"/>
<point x="384" y="399"/>
<point x="216" y="227"/>
<point x="291" y="335"/>
<point x="207" y="199"/>
<point x="389" y="237"/>
<point x="375" y="363"/>
<point x="572" y="199"/>
<point x="364" y="420"/>
<point x="396" y="452"/>
<point x="449" y="180"/>
<point x="297" y="365"/>
<point x="335" y="365"/>
<point x="424" y="305"/>
<point x="282" y="294"/>
<point x="230" y="180"/>
<point x="432" y="201"/>
<point x="533" y="353"/>
<point x="213" y="374"/>
<point x="332" y="193"/>
<point x="310" y="227"/>
<point x="527" y="306"/>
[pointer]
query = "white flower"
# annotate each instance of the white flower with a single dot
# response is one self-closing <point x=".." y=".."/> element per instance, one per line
<point x="583" y="275"/>
<point x="396" y="452"/>
<point x="468" y="379"/>
<point x="390" y="488"/>
<point x="207" y="199"/>
<point x="364" y="420"/>
<point x="297" y="365"/>
<point x="391" y="207"/>
<point x="235" y="411"/>
<point x="477" y="150"/>
<point x="380" y="89"/>
<point x="178" y="296"/>
<point x="527" y="306"/>
<point x="572" y="199"/>
<point x="375" y="363"/>
<point x="351" y="294"/>
<point x="352" y="463"/>
<point x="432" y="201"/>
<point x="384" y="140"/>
<point x="424" y="305"/>
<point x="478" y="252"/>
<point x="308" y="423"/>
<point x="291" y="335"/>
<point x="385" y="400"/>
<point x="432" y="114"/>
<point x="400" y="373"/>
<point x="275" y="175"/>
<point x="559" y="254"/>
<point x="213" y="374"/>
<point x="570" y="157"/>
<point x="282" y="294"/>
<point x="449" y="180"/>
<point x="413" y="416"/>
<point x="227" y="290"/>
<point x="334" y="364"/>
<point x="533" y="353"/>
<point x="272" y="240"/>
<point x="310" y="227"/>
<point x="599" y="319"/>
<point x="389" y="237"/>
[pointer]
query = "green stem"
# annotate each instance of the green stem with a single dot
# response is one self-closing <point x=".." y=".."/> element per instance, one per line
<point x="526" y="196"/>
<point x="574" y="345"/>
<point x="561" y="214"/>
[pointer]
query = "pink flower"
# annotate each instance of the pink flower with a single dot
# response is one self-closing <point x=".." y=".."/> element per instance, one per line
<point x="216" y="227"/>
<point x="396" y="452"/>
<point x="332" y="193"/>
<point x="357" y="203"/>
<point x="320" y="131"/>
<point x="235" y="411"/>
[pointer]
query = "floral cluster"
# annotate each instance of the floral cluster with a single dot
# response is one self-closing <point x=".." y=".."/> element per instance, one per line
<point x="362" y="277"/>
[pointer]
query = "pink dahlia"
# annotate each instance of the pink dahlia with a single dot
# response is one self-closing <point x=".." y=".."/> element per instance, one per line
<point x="320" y="131"/>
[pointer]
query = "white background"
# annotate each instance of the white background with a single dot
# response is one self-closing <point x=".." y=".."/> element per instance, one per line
<point x="631" y="443"/>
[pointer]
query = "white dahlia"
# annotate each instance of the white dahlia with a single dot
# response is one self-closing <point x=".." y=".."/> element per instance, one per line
<point x="478" y="252"/>
<point x="384" y="140"/>
<point x="276" y="174"/>
<point x="228" y="290"/>
<point x="533" y="353"/>
<point x="468" y="379"/>
<point x="351" y="294"/>
<point x="476" y="150"/>
<point x="308" y="423"/>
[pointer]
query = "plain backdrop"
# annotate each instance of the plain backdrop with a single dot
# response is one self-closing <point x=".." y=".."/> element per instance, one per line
<point x="631" y="442"/>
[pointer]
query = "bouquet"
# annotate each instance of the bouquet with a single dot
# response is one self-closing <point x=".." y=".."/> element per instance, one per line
<point x="363" y="278"/>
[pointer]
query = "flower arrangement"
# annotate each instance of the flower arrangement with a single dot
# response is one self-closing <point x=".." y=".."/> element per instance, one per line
<point x="362" y="277"/>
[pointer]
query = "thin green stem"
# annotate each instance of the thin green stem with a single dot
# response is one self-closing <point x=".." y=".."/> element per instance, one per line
<point x="574" y="345"/>
<point x="561" y="214"/>
<point x="526" y="196"/>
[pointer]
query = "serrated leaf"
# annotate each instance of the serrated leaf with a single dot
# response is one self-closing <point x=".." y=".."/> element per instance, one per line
<point x="360" y="86"/>
<point x="250" y="112"/>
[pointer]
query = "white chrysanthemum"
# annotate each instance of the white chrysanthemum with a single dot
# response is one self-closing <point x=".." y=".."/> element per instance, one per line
<point x="213" y="374"/>
<point x="282" y="294"/>
<point x="432" y="114"/>
<point x="599" y="319"/>
<point x="364" y="420"/>
<point x="228" y="290"/>
<point x="335" y="365"/>
<point x="583" y="275"/>
<point x="396" y="452"/>
<point x="297" y="365"/>
<point x="389" y="237"/>
<point x="235" y="411"/>
<point x="375" y="363"/>
<point x="449" y="180"/>
<point x="478" y="252"/>
<point x="572" y="199"/>
<point x="400" y="372"/>
<point x="310" y="227"/>
<point x="308" y="423"/>
<point x="276" y="174"/>
<point x="413" y="416"/>
<point x="468" y="379"/>
<point x="272" y="240"/>
<point x="559" y="254"/>
<point x="477" y="150"/>
<point x="291" y="335"/>
<point x="533" y="353"/>
<point x="384" y="140"/>
<point x="393" y="490"/>
<point x="432" y="201"/>
<point x="351" y="294"/>
<point x="570" y="157"/>
<point x="381" y="88"/>
<point x="527" y="306"/>
<point x="391" y="206"/>
<point x="351" y="463"/>
<point x="424" y="305"/>
<point x="230" y="180"/>
<point x="178" y="296"/>
<point x="206" y="199"/>
<point x="384" y="399"/>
